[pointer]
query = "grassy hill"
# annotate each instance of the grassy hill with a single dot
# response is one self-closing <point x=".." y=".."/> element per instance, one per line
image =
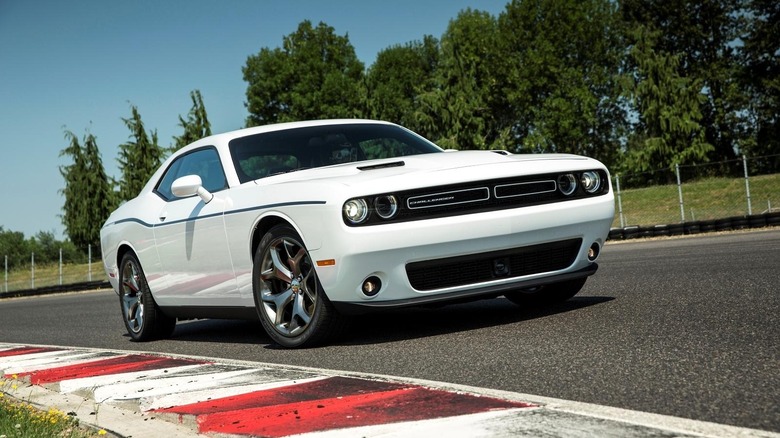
<point x="710" y="198"/>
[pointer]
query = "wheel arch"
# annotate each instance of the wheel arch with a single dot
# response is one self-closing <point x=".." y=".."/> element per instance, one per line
<point x="123" y="249"/>
<point x="263" y="226"/>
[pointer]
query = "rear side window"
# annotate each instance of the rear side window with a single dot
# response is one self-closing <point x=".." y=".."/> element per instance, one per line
<point x="202" y="162"/>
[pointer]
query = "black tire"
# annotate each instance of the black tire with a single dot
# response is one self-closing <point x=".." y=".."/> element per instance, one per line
<point x="143" y="319"/>
<point x="290" y="302"/>
<point x="548" y="294"/>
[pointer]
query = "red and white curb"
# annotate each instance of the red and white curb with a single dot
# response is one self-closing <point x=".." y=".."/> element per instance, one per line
<point x="142" y="394"/>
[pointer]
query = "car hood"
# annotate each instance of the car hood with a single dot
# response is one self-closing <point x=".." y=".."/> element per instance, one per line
<point x="434" y="169"/>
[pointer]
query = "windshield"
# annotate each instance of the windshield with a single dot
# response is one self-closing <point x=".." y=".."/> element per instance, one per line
<point x="261" y="155"/>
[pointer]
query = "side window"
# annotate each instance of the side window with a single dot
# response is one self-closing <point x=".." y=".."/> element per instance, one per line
<point x="202" y="162"/>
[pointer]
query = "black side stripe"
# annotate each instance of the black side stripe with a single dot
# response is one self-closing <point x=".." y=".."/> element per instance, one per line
<point x="242" y="210"/>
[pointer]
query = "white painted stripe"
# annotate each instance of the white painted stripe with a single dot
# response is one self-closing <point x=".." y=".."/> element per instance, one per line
<point x="494" y="424"/>
<point x="32" y="356"/>
<point x="72" y="385"/>
<point x="169" y="385"/>
<point x="537" y="422"/>
<point x="30" y="365"/>
<point x="187" y="398"/>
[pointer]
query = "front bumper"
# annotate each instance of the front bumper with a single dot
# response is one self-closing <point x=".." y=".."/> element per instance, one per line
<point x="386" y="251"/>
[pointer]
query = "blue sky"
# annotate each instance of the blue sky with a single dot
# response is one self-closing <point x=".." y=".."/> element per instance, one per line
<point x="79" y="65"/>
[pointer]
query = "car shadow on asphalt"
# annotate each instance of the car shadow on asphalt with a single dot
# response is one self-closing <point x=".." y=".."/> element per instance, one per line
<point x="392" y="325"/>
<point x="421" y="322"/>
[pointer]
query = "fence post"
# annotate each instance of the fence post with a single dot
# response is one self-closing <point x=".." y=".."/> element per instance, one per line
<point x="89" y="263"/>
<point x="32" y="268"/>
<point x="747" y="184"/>
<point x="60" y="266"/>
<point x="6" y="273"/>
<point x="679" y="191"/>
<point x="620" y="202"/>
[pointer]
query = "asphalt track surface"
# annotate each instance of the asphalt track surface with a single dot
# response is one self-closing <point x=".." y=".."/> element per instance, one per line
<point x="684" y="327"/>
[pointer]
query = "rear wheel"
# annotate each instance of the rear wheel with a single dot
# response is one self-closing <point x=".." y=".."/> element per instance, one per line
<point x="143" y="319"/>
<point x="289" y="299"/>
<point x="547" y="294"/>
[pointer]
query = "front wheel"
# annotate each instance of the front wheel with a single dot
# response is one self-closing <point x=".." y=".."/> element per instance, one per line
<point x="288" y="296"/>
<point x="547" y="294"/>
<point x="143" y="319"/>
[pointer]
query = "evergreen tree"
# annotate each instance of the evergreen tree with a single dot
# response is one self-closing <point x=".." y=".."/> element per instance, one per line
<point x="668" y="131"/>
<point x="98" y="192"/>
<point x="88" y="195"/>
<point x="703" y="36"/>
<point x="75" y="210"/>
<point x="314" y="75"/>
<point x="196" y="126"/>
<point x="139" y="158"/>
<point x="761" y="80"/>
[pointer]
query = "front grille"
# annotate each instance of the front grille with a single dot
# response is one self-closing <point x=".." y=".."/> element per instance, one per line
<point x="478" y="197"/>
<point x="482" y="267"/>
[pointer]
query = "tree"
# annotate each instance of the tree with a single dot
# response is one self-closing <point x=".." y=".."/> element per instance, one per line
<point x="98" y="192"/>
<point x="13" y="245"/>
<point x="558" y="71"/>
<point x="88" y="195"/>
<point x="314" y="75"/>
<point x="761" y="79"/>
<point x="456" y="113"/>
<point x="139" y="158"/>
<point x="197" y="124"/>
<point x="703" y="36"/>
<point x="668" y="129"/>
<point x="74" y="216"/>
<point x="396" y="79"/>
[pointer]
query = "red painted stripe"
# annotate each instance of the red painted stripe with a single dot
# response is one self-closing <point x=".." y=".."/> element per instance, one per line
<point x="18" y="351"/>
<point x="102" y="367"/>
<point x="375" y="408"/>
<point x="330" y="388"/>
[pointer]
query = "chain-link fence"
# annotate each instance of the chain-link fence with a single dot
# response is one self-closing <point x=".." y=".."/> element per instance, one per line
<point x="37" y="276"/>
<point x="700" y="197"/>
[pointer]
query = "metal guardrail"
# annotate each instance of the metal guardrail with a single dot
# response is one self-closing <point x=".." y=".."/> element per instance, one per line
<point x="697" y="227"/>
<point x="73" y="287"/>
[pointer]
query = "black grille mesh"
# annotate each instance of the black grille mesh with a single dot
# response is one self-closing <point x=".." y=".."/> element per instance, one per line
<point x="478" y="268"/>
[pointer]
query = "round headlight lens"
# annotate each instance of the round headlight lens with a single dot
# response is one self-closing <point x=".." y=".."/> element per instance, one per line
<point x="567" y="184"/>
<point x="591" y="181"/>
<point x="386" y="206"/>
<point x="356" y="211"/>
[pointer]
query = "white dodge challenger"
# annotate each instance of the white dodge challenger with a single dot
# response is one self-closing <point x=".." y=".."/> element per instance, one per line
<point x="301" y="224"/>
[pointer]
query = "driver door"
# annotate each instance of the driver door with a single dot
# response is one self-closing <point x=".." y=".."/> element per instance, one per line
<point x="190" y="237"/>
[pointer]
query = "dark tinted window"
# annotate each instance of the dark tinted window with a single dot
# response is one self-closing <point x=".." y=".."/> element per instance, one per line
<point x="261" y="155"/>
<point x="202" y="162"/>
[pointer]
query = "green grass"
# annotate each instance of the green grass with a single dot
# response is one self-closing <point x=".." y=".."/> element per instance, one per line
<point x="22" y="420"/>
<point x="710" y="198"/>
<point x="49" y="275"/>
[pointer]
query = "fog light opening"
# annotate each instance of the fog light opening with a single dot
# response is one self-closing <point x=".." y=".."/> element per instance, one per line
<point x="371" y="286"/>
<point x="593" y="252"/>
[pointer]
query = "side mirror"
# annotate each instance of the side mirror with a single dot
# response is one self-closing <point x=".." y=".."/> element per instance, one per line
<point x="190" y="185"/>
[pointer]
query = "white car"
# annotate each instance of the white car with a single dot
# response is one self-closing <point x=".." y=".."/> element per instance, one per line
<point x="300" y="224"/>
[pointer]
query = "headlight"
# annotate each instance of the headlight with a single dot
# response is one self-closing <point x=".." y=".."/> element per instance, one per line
<point x="386" y="206"/>
<point x="567" y="184"/>
<point x="356" y="211"/>
<point x="591" y="181"/>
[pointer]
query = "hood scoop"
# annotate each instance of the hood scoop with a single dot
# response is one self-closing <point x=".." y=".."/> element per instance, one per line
<point x="383" y="165"/>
